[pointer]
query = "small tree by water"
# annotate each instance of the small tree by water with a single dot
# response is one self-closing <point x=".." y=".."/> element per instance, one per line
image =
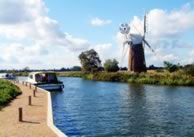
<point x="90" y="61"/>
<point x="111" y="65"/>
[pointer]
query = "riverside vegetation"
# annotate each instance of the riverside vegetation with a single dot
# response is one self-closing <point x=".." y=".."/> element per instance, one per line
<point x="8" y="91"/>
<point x="151" y="77"/>
<point x="158" y="77"/>
<point x="171" y="74"/>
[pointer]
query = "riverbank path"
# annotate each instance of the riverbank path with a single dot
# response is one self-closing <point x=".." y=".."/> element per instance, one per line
<point x="34" y="122"/>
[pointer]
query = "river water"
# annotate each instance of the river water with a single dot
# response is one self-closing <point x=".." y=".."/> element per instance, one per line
<point x="106" y="109"/>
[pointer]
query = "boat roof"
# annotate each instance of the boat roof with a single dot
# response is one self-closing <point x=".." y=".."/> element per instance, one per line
<point x="6" y="73"/>
<point x="41" y="72"/>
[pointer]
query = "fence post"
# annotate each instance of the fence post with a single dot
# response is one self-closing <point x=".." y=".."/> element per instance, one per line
<point x="36" y="88"/>
<point x="29" y="101"/>
<point x="20" y="114"/>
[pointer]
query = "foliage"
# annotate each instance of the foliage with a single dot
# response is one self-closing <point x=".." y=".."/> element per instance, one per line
<point x="171" y="67"/>
<point x="159" y="78"/>
<point x="111" y="65"/>
<point x="26" y="69"/>
<point x="76" y="68"/>
<point x="189" y="69"/>
<point x="8" y="91"/>
<point x="90" y="61"/>
<point x="70" y="74"/>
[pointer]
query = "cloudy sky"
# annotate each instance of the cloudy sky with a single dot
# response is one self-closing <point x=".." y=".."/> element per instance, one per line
<point x="51" y="34"/>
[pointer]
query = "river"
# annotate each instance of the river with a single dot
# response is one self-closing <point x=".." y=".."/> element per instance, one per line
<point x="106" y="109"/>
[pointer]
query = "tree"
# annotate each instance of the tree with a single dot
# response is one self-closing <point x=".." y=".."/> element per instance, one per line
<point x="90" y="61"/>
<point x="111" y="65"/>
<point x="26" y="69"/>
<point x="76" y="68"/>
<point x="171" y="67"/>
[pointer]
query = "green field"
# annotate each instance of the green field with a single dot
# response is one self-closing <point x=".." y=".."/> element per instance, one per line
<point x="8" y="92"/>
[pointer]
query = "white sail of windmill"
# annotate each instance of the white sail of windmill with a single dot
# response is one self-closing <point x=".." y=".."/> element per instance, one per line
<point x="135" y="43"/>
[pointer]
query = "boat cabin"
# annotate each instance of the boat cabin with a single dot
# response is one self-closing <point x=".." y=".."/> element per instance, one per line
<point x="45" y="80"/>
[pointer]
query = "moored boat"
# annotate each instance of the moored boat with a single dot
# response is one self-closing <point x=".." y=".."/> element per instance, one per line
<point x="8" y="76"/>
<point x="45" y="80"/>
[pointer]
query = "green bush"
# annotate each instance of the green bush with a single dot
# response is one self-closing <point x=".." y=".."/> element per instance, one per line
<point x="111" y="65"/>
<point x="171" y="67"/>
<point x="8" y="91"/>
<point x="189" y="69"/>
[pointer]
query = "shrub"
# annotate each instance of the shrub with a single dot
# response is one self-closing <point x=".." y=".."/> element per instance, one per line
<point x="189" y="69"/>
<point x="111" y="65"/>
<point x="8" y="91"/>
<point x="171" y="67"/>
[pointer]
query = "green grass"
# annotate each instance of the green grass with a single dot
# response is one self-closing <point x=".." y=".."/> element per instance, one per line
<point x="8" y="91"/>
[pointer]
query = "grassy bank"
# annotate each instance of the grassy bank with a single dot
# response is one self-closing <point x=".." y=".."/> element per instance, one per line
<point x="159" y="78"/>
<point x="151" y="77"/>
<point x="8" y="91"/>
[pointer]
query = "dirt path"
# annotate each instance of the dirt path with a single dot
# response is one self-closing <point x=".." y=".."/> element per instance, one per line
<point x="34" y="117"/>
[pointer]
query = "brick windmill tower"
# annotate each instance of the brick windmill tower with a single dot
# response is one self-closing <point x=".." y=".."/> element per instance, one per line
<point x="136" y="44"/>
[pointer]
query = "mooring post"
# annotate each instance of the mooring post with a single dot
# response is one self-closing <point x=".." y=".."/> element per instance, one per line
<point x="29" y="100"/>
<point x="35" y="89"/>
<point x="20" y="114"/>
<point x="30" y="85"/>
<point x="22" y="82"/>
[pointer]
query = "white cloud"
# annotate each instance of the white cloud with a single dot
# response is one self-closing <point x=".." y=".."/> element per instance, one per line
<point x="100" y="22"/>
<point x="32" y="22"/>
<point x="164" y="24"/>
<point x="34" y="39"/>
<point x="104" y="50"/>
<point x="192" y="53"/>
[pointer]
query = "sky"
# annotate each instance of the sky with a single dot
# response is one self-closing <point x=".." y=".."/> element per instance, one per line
<point x="48" y="34"/>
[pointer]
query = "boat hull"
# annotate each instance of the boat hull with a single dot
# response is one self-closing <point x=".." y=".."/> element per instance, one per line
<point x="51" y="87"/>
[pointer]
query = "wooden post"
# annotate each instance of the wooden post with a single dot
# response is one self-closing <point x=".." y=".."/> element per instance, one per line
<point x="29" y="101"/>
<point x="22" y="82"/>
<point x="20" y="114"/>
<point x="35" y="89"/>
<point x="34" y="93"/>
<point x="30" y="85"/>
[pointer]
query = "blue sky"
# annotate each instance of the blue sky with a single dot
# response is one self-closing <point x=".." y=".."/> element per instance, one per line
<point x="74" y="15"/>
<point x="51" y="34"/>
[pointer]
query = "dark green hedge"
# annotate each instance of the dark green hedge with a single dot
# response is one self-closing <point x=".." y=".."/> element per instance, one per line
<point x="8" y="91"/>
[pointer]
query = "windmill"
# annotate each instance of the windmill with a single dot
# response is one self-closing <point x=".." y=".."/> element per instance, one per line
<point x="136" y="44"/>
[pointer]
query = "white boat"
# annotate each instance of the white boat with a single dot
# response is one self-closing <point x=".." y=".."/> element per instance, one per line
<point x="9" y="76"/>
<point x="45" y="80"/>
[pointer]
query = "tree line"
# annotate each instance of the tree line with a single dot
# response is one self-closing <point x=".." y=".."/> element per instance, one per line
<point x="90" y="62"/>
